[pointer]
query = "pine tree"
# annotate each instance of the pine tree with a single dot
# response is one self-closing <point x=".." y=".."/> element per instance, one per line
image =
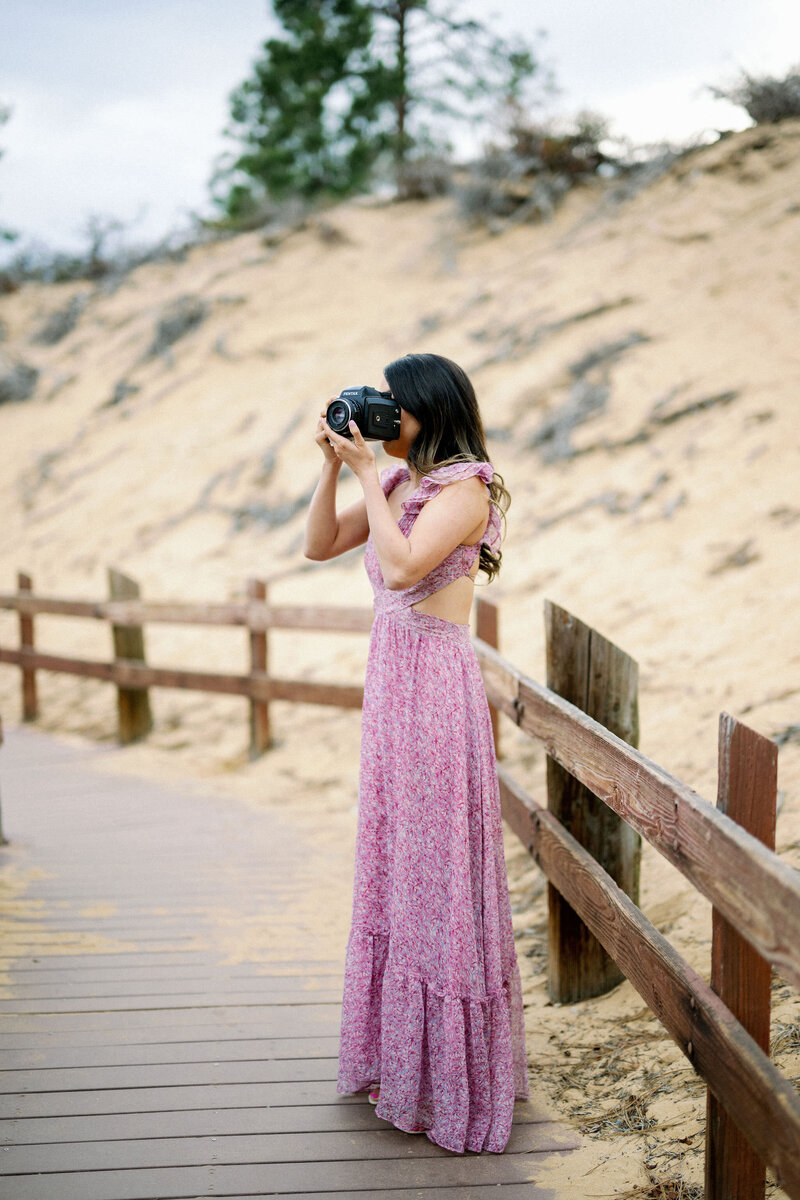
<point x="309" y="117"/>
<point x="354" y="86"/>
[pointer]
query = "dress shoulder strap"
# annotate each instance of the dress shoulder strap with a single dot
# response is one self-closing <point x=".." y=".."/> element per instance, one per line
<point x="392" y="476"/>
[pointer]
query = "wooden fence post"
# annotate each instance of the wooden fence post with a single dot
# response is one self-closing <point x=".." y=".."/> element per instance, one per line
<point x="134" y="717"/>
<point x="260" y="737"/>
<point x="592" y="673"/>
<point x="486" y="628"/>
<point x="30" y="700"/>
<point x="746" y="792"/>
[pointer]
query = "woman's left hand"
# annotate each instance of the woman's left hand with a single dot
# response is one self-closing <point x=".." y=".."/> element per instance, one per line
<point x="356" y="453"/>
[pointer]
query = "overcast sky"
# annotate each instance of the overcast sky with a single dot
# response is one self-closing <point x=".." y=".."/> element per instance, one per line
<point x="118" y="105"/>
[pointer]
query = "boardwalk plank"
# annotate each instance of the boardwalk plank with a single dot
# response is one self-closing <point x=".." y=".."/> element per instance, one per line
<point x="500" y="1191"/>
<point x="167" y="983"/>
<point x="292" y="1148"/>
<point x="196" y="1001"/>
<point x="158" y="1099"/>
<point x="170" y="964"/>
<point x="287" y="1179"/>
<point x="58" y="1057"/>
<point x="286" y="1025"/>
<point x="303" y="1118"/>
<point x="79" y="1079"/>
<point x="300" y="1018"/>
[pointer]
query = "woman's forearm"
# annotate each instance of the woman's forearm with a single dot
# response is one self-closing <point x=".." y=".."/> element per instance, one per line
<point x="322" y="523"/>
<point x="390" y="544"/>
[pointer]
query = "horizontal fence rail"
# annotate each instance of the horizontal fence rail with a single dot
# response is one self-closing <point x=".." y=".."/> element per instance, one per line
<point x="131" y="674"/>
<point x="251" y="614"/>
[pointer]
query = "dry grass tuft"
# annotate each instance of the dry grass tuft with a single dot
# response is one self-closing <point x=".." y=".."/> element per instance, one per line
<point x="674" y="1188"/>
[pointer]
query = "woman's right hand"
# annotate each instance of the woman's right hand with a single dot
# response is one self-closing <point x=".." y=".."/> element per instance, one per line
<point x="321" y="438"/>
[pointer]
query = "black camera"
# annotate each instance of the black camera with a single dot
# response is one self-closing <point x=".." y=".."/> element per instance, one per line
<point x="376" y="414"/>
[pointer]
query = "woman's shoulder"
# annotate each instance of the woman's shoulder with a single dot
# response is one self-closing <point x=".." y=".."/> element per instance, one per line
<point x="452" y="473"/>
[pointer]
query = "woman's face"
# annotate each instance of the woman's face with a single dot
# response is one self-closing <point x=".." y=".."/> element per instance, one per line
<point x="409" y="428"/>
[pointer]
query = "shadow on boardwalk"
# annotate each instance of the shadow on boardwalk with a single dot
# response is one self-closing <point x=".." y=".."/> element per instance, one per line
<point x="140" y="1058"/>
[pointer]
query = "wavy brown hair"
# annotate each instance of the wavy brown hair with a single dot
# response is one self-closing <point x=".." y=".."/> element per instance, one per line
<point x="439" y="394"/>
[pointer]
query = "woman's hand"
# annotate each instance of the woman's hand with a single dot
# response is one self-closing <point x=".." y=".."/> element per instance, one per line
<point x="321" y="438"/>
<point x="356" y="453"/>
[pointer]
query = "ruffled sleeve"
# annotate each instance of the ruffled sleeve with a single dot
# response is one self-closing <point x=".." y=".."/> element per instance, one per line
<point x="392" y="476"/>
<point x="433" y="483"/>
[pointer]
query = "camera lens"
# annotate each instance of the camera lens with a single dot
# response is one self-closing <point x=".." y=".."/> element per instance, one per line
<point x="338" y="415"/>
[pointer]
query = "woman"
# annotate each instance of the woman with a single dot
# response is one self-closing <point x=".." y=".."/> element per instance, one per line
<point x="432" y="1014"/>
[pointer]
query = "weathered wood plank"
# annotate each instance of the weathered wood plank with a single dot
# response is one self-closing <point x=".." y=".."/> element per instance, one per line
<point x="259" y="711"/>
<point x="116" y="959"/>
<point x="129" y="674"/>
<point x="180" y="968"/>
<point x="40" y="1055"/>
<point x="444" y="1170"/>
<point x="281" y="1023"/>
<point x="30" y="703"/>
<point x="302" y="1017"/>
<point x="747" y="791"/>
<point x="756" y="1094"/>
<point x="599" y="678"/>
<point x="487" y="622"/>
<point x="162" y="1099"/>
<point x="140" y="1003"/>
<point x="239" y="990"/>
<point x="253" y="615"/>
<point x="295" y="1118"/>
<point x="181" y="1074"/>
<point x="134" y="718"/>
<point x="757" y="892"/>
<point x="318" y="617"/>
<point x="371" y="1145"/>
<point x="502" y="1191"/>
<point x="340" y="695"/>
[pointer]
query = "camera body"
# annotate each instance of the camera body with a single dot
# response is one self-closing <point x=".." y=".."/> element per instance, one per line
<point x="376" y="414"/>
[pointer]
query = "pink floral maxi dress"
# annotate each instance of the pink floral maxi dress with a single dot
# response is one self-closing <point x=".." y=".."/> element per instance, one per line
<point x="432" y="1004"/>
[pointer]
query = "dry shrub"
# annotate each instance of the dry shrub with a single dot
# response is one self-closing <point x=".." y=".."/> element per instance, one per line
<point x="424" y="178"/>
<point x="177" y="319"/>
<point x="766" y="99"/>
<point x="18" y="380"/>
<point x="527" y="176"/>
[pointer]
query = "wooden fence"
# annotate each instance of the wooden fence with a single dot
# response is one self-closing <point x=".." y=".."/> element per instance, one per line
<point x="127" y="615"/>
<point x="727" y="852"/>
<point x="722" y="1027"/>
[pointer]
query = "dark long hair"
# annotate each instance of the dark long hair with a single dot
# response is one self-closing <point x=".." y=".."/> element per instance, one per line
<point x="440" y="395"/>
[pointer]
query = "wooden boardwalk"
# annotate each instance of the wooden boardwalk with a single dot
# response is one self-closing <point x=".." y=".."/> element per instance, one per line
<point x="169" y="1029"/>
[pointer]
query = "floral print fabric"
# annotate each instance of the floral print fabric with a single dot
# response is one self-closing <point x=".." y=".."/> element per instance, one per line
<point x="432" y="1004"/>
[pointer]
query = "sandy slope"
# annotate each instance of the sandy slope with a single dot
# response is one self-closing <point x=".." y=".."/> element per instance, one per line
<point x="672" y="527"/>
